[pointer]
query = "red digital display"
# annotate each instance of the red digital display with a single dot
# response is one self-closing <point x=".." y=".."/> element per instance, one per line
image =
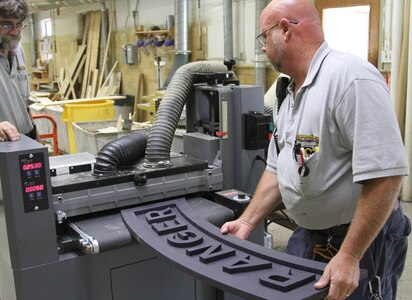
<point x="34" y="188"/>
<point x="32" y="166"/>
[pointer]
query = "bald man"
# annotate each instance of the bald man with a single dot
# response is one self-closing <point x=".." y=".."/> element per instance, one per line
<point x="336" y="161"/>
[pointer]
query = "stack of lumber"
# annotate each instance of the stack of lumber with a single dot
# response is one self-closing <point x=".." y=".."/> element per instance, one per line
<point x="81" y="77"/>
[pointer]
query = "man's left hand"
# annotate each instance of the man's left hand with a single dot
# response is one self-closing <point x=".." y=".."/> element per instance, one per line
<point x="342" y="274"/>
<point x="8" y="132"/>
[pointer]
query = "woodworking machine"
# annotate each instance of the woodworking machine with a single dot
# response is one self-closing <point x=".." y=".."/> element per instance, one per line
<point x="62" y="233"/>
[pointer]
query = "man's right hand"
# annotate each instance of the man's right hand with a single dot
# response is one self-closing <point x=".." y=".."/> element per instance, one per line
<point x="8" y="132"/>
<point x="239" y="228"/>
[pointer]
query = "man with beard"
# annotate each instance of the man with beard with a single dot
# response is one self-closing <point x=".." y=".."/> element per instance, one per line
<point x="14" y="86"/>
<point x="336" y="160"/>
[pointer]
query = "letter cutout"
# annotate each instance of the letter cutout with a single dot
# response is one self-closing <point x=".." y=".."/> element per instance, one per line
<point x="156" y="216"/>
<point x="170" y="226"/>
<point x="286" y="282"/>
<point x="211" y="252"/>
<point x="184" y="239"/>
<point x="247" y="264"/>
<point x="174" y="231"/>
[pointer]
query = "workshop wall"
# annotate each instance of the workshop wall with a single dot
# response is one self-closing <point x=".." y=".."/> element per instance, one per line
<point x="206" y="40"/>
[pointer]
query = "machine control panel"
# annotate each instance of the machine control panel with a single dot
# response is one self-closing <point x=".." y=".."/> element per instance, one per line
<point x="233" y="199"/>
<point x="33" y="182"/>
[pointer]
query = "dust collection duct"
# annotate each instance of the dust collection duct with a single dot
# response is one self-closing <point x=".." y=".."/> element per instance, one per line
<point x="130" y="148"/>
<point x="260" y="57"/>
<point x="168" y="114"/>
<point x="120" y="152"/>
<point x="228" y="28"/>
<point x="181" y="38"/>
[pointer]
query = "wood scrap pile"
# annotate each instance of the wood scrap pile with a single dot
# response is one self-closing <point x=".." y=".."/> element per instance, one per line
<point x="83" y="77"/>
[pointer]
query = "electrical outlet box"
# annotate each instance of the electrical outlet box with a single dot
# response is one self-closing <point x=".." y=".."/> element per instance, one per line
<point x="386" y="56"/>
<point x="129" y="54"/>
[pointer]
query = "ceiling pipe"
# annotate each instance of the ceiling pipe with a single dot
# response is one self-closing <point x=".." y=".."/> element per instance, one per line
<point x="182" y="26"/>
<point x="181" y="38"/>
<point x="260" y="57"/>
<point x="228" y="28"/>
<point x="49" y="5"/>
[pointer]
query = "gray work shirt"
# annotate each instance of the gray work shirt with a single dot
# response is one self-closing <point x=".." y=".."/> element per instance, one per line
<point x="344" y="117"/>
<point x="14" y="92"/>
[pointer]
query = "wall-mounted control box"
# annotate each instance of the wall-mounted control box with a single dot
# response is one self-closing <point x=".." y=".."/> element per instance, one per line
<point x="129" y="54"/>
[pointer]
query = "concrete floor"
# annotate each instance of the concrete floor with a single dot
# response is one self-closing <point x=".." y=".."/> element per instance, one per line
<point x="280" y="236"/>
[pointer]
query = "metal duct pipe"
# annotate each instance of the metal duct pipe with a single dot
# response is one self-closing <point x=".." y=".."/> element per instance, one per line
<point x="156" y="147"/>
<point x="181" y="26"/>
<point x="181" y="38"/>
<point x="79" y="2"/>
<point x="32" y="40"/>
<point x="228" y="28"/>
<point x="49" y="5"/>
<point x="260" y="57"/>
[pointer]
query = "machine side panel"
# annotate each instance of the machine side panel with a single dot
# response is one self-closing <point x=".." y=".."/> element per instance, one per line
<point x="157" y="280"/>
<point x="119" y="274"/>
<point x="7" y="290"/>
<point x="227" y="129"/>
<point x="64" y="280"/>
<point x="31" y="235"/>
<point x="248" y="172"/>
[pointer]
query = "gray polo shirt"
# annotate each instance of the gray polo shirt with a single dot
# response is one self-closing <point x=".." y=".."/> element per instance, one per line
<point x="14" y="92"/>
<point x="343" y="116"/>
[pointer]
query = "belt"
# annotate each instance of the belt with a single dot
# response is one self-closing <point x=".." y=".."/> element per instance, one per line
<point x="341" y="230"/>
<point x="337" y="231"/>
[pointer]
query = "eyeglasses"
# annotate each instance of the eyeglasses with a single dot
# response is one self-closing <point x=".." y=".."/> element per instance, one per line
<point x="261" y="38"/>
<point x="11" y="26"/>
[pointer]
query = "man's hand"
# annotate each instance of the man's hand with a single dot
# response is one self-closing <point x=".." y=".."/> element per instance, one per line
<point x="8" y="132"/>
<point x="378" y="200"/>
<point x="265" y="199"/>
<point x="239" y="228"/>
<point x="342" y="276"/>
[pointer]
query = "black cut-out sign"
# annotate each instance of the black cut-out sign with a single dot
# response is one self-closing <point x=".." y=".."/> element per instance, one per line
<point x="243" y="268"/>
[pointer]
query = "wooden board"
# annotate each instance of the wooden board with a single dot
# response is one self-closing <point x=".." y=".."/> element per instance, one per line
<point x="82" y="100"/>
<point x="72" y="70"/>
<point x="76" y="75"/>
<point x="138" y="99"/>
<point x="92" y="54"/>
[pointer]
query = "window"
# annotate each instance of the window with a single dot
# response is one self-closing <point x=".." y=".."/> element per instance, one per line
<point x="46" y="28"/>
<point x="358" y="19"/>
<point x="342" y="38"/>
<point x="45" y="43"/>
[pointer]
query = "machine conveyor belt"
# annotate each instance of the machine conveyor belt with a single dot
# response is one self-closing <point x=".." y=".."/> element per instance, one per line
<point x="109" y="231"/>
